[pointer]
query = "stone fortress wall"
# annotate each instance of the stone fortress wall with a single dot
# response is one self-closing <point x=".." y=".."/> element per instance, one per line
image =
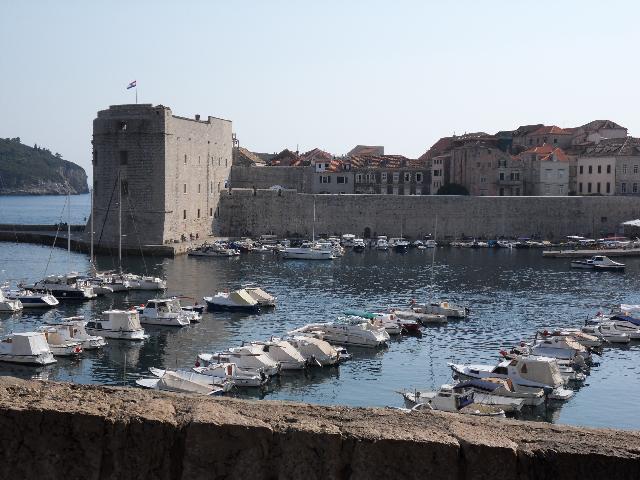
<point x="171" y="171"/>
<point x="293" y="178"/>
<point x="287" y="213"/>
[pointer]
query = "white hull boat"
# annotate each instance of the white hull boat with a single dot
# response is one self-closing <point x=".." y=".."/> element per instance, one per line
<point x="306" y="253"/>
<point x="246" y="357"/>
<point x="599" y="262"/>
<point x="166" y="312"/>
<point x="447" y="309"/>
<point x="506" y="404"/>
<point x="282" y="352"/>
<point x="230" y="371"/>
<point x="30" y="299"/>
<point x="184" y="382"/>
<point x="360" y="334"/>
<point x="60" y="342"/>
<point x="607" y="333"/>
<point x="138" y="282"/>
<point x="9" y="305"/>
<point x="65" y="287"/>
<point x="422" y="318"/>
<point x="264" y="299"/>
<point x="237" y="300"/>
<point x="30" y="348"/>
<point x="118" y="324"/>
<point x="315" y="350"/>
<point x="446" y="399"/>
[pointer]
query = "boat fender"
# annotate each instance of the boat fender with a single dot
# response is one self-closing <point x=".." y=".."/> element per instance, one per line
<point x="197" y="363"/>
<point x="77" y="350"/>
<point x="545" y="333"/>
<point x="522" y="344"/>
<point x="503" y="353"/>
<point x="413" y="301"/>
<point x="229" y="370"/>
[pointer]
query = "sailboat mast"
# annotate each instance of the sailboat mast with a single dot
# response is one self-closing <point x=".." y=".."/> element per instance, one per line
<point x="119" y="221"/>
<point x="313" y="226"/>
<point x="91" y="226"/>
<point x="433" y="254"/>
<point x="68" y="227"/>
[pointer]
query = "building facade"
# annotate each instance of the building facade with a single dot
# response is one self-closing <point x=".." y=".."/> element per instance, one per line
<point x="167" y="170"/>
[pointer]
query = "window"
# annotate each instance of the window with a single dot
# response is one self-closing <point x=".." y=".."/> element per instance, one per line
<point x="396" y="177"/>
<point x="561" y="189"/>
<point x="407" y="177"/>
<point x="599" y="168"/>
<point x="185" y="158"/>
<point x="184" y="214"/>
<point x="561" y="173"/>
<point x="358" y="178"/>
<point x="198" y="213"/>
<point x="210" y="187"/>
<point x="184" y="188"/>
<point x="518" y="191"/>
<point x="198" y="188"/>
<point x="580" y="187"/>
<point x="581" y="169"/>
<point x="225" y="162"/>
<point x="211" y="212"/>
<point x="589" y="187"/>
<point x="635" y="169"/>
<point x="483" y="179"/>
<point x="124" y="157"/>
<point x="608" y="168"/>
<point x="325" y="179"/>
<point x="437" y="173"/>
<point x="124" y="187"/>
<point x="218" y="162"/>
<point x="341" y="180"/>
<point x="122" y="126"/>
<point x="547" y="189"/>
<point x="501" y="175"/>
<point x="502" y="192"/>
<point x="598" y="187"/>
<point x="590" y="169"/>
<point x="515" y="176"/>
<point x="624" y="169"/>
<point x="418" y="177"/>
<point x="635" y="188"/>
<point x="383" y="176"/>
<point x="608" y="187"/>
<point x="549" y="173"/>
<point x="623" y="188"/>
<point x="218" y="186"/>
<point x="198" y="159"/>
<point x="555" y="141"/>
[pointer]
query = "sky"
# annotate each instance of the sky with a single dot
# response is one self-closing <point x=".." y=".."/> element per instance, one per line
<point x="328" y="74"/>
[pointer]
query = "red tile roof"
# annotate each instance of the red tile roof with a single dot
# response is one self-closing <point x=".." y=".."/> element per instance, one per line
<point x="559" y="155"/>
<point x="551" y="130"/>
<point x="544" y="149"/>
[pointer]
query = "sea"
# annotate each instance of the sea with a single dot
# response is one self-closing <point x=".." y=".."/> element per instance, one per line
<point x="511" y="294"/>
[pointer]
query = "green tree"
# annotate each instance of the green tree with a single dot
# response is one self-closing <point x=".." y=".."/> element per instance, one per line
<point x="452" y="189"/>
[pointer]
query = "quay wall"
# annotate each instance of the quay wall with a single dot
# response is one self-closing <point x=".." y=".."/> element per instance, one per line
<point x="55" y="430"/>
<point x="244" y="212"/>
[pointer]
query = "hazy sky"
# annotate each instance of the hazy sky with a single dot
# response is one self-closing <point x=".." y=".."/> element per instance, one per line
<point x="330" y="74"/>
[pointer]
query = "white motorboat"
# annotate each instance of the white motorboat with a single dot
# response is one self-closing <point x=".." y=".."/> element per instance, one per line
<point x="607" y="332"/>
<point x="326" y="246"/>
<point x="60" y="342"/>
<point x="315" y="350"/>
<point x="527" y="372"/>
<point x="237" y="300"/>
<point x="387" y="321"/>
<point x="430" y="243"/>
<point x="30" y="348"/>
<point x="248" y="357"/>
<point x="183" y="381"/>
<point x="347" y="240"/>
<point x="447" y="399"/>
<point x="359" y="245"/>
<point x="283" y="352"/>
<point x="264" y="299"/>
<point x="144" y="282"/>
<point x="214" y="250"/>
<point x="116" y="282"/>
<point x="484" y="393"/>
<point x="230" y="371"/>
<point x="399" y="244"/>
<point x="166" y="312"/>
<point x="620" y="322"/>
<point x="417" y="315"/>
<point x="562" y="348"/>
<point x="8" y="304"/>
<point x="30" y="299"/>
<point x="448" y="309"/>
<point x="362" y="334"/>
<point x="598" y="262"/>
<point x="382" y="243"/>
<point x="65" y="287"/>
<point x="306" y="253"/>
<point x="76" y="327"/>
<point x="118" y="324"/>
<point x="576" y="334"/>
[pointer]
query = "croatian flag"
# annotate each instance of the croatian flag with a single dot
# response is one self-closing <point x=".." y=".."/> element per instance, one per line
<point x="131" y="85"/>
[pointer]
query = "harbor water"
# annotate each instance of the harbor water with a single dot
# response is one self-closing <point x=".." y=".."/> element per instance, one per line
<point x="511" y="293"/>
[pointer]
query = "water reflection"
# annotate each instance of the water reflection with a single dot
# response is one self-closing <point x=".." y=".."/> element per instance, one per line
<point x="511" y="294"/>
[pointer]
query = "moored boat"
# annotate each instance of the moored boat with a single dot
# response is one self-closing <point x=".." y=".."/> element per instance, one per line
<point x="237" y="300"/>
<point x="598" y="262"/>
<point x="30" y="348"/>
<point x="118" y="324"/>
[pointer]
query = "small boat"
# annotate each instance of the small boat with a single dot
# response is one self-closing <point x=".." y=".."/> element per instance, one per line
<point x="347" y="240"/>
<point x="264" y="299"/>
<point x="8" y="304"/>
<point x="248" y="357"/>
<point x="77" y="331"/>
<point x="576" y="334"/>
<point x="563" y="348"/>
<point x="166" y="312"/>
<point x="230" y="371"/>
<point x="183" y="381"/>
<point x="315" y="350"/>
<point x="399" y="244"/>
<point x="388" y="321"/>
<point x="359" y="245"/>
<point x="31" y="299"/>
<point x="599" y="262"/>
<point x="60" y="342"/>
<point x="607" y="332"/>
<point x="145" y="282"/>
<point x="382" y="243"/>
<point x="283" y="352"/>
<point x="416" y="315"/>
<point x="448" y="309"/>
<point x="430" y="243"/>
<point x="306" y="253"/>
<point x="448" y="399"/>
<point x="116" y="282"/>
<point x="118" y="324"/>
<point x="237" y="300"/>
<point x="65" y="287"/>
<point x="621" y="323"/>
<point x="528" y="372"/>
<point x="214" y="250"/>
<point x="29" y="348"/>
<point x="362" y="334"/>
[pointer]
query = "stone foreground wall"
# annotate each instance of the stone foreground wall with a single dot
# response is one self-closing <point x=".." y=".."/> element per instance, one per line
<point x="295" y="178"/>
<point x="287" y="213"/>
<point x="52" y="431"/>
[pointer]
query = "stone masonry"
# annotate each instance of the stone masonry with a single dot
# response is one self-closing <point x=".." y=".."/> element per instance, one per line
<point x="170" y="169"/>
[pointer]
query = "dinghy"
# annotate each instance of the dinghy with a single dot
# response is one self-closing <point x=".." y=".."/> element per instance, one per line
<point x="76" y="327"/>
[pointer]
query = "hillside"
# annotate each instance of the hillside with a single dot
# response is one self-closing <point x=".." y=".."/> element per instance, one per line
<point x="34" y="170"/>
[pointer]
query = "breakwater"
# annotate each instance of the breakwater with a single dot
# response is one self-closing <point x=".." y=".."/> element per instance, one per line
<point x="248" y="212"/>
<point x="76" y="431"/>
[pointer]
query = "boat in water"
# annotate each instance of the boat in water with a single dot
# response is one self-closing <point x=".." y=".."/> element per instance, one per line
<point x="118" y="324"/>
<point x="64" y="287"/>
<point x="166" y="312"/>
<point x="76" y="327"/>
<point x="214" y="250"/>
<point x="30" y="299"/>
<point x="359" y="245"/>
<point x="399" y="244"/>
<point x="9" y="304"/>
<point x="237" y="300"/>
<point x="248" y="357"/>
<point x="315" y="350"/>
<point x="230" y="371"/>
<point x="60" y="342"/>
<point x="450" y="399"/>
<point x="382" y="243"/>
<point x="30" y="348"/>
<point x="183" y="381"/>
<point x="607" y="332"/>
<point x="598" y="262"/>
<point x="264" y="299"/>
<point x="282" y="352"/>
<point x="361" y="334"/>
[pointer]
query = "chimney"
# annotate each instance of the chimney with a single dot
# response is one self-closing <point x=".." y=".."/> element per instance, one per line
<point x="197" y="117"/>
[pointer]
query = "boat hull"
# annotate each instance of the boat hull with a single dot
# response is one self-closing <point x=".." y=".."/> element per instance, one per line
<point x="38" y="360"/>
<point x="219" y="307"/>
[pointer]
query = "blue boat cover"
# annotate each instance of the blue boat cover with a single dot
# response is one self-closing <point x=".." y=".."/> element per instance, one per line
<point x="480" y="384"/>
<point x="624" y="318"/>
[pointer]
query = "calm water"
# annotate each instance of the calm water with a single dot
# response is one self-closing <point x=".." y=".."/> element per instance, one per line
<point x="511" y="293"/>
<point x="45" y="209"/>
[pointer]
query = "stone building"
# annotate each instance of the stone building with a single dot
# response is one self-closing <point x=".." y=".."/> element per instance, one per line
<point x="334" y="176"/>
<point x="549" y="170"/>
<point x="596" y="131"/>
<point x="389" y="175"/>
<point x="612" y="167"/>
<point x="168" y="170"/>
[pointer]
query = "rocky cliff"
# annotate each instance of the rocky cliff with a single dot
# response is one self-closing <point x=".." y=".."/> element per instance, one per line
<point x="52" y="430"/>
<point x="34" y="170"/>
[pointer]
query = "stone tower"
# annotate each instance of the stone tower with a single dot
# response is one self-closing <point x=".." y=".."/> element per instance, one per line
<point x="169" y="169"/>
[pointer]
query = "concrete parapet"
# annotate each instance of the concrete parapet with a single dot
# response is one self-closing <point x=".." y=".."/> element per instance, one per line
<point x="53" y="430"/>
